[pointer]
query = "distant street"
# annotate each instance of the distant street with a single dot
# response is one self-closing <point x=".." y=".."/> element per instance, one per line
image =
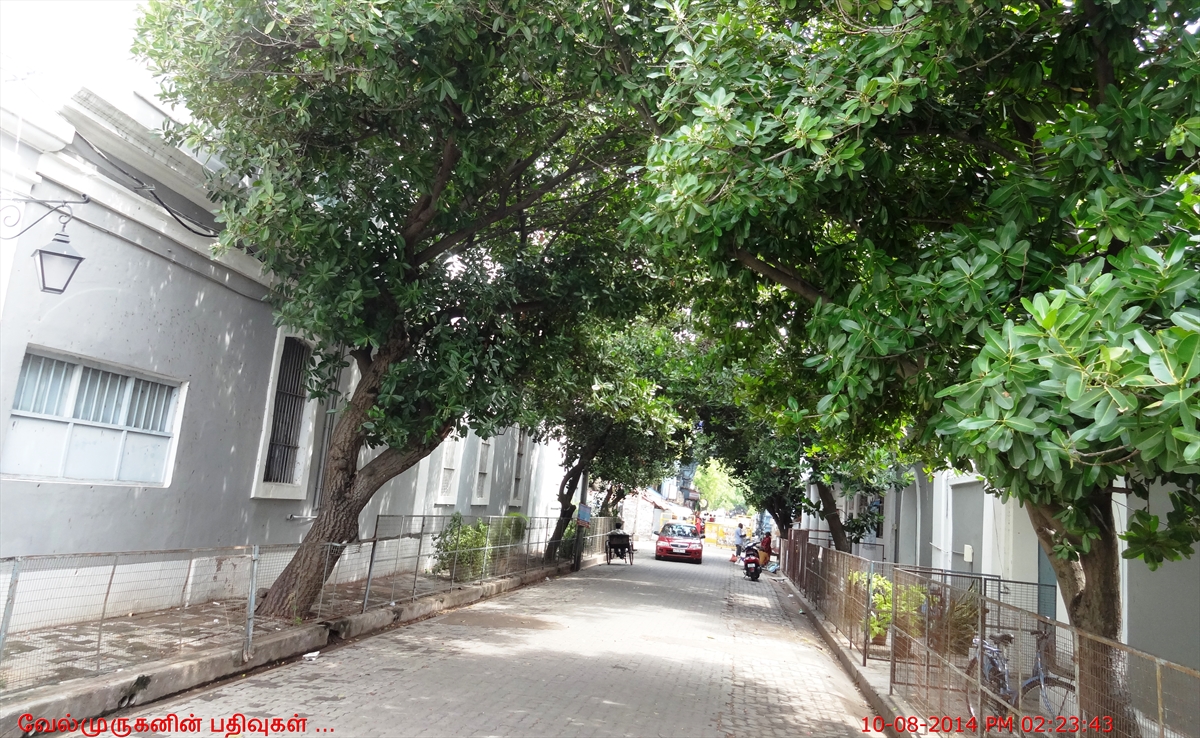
<point x="657" y="649"/>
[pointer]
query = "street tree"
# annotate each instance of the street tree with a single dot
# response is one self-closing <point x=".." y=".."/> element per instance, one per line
<point x="614" y="415"/>
<point x="752" y="391"/>
<point x="958" y="195"/>
<point x="435" y="189"/>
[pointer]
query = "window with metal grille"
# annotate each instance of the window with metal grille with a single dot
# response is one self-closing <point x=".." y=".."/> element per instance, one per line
<point x="79" y="421"/>
<point x="287" y="419"/>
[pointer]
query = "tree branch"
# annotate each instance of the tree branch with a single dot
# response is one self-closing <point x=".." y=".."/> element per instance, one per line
<point x="1104" y="67"/>
<point x="963" y="137"/>
<point x="362" y="357"/>
<point x="426" y="207"/>
<point x="449" y="241"/>
<point x="780" y="276"/>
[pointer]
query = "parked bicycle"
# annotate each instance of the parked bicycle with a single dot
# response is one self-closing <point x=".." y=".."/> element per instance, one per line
<point x="1041" y="695"/>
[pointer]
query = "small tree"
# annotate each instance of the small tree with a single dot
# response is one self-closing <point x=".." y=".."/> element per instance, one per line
<point x="617" y="419"/>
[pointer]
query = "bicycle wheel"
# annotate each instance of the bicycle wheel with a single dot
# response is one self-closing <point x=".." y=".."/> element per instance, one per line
<point x="991" y="706"/>
<point x="607" y="554"/>
<point x="1049" y="697"/>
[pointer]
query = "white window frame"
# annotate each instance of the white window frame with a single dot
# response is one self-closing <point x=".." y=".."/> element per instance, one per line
<point x="522" y="467"/>
<point x="81" y="362"/>
<point x="481" y="488"/>
<point x="449" y="459"/>
<point x="280" y="490"/>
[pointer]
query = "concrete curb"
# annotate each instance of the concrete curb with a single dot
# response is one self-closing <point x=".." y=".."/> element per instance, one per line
<point x="100" y="695"/>
<point x="885" y="705"/>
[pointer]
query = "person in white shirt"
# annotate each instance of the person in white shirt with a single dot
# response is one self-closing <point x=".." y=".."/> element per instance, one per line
<point x="739" y="539"/>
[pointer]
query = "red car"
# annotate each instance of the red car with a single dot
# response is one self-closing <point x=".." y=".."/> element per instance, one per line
<point x="679" y="541"/>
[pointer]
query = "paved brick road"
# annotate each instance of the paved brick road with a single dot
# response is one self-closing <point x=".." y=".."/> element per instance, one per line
<point x="657" y="649"/>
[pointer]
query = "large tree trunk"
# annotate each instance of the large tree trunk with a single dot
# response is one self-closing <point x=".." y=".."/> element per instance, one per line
<point x="346" y="491"/>
<point x="566" y="501"/>
<point x="606" y="506"/>
<point x="1091" y="589"/>
<point x="782" y="519"/>
<point x="781" y="513"/>
<point x="829" y="511"/>
<point x="566" y="492"/>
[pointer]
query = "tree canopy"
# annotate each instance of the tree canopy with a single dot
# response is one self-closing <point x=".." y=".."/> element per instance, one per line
<point x="965" y="229"/>
<point x="437" y="189"/>
<point x="937" y="186"/>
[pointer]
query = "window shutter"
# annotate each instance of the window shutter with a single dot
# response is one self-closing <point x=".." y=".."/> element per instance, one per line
<point x="446" y="481"/>
<point x="43" y="385"/>
<point x="519" y="468"/>
<point x="485" y="467"/>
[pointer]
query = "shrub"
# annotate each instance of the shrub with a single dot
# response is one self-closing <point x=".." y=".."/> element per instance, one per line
<point x="459" y="549"/>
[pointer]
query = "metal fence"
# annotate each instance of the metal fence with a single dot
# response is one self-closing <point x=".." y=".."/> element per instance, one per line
<point x="873" y="551"/>
<point x="965" y="646"/>
<point x="72" y="615"/>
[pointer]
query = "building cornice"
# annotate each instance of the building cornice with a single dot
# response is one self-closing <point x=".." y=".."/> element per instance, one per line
<point x="120" y="135"/>
<point x="35" y="127"/>
<point x="83" y="178"/>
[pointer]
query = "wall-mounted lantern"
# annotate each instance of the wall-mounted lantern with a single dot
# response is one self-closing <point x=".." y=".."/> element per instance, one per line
<point x="57" y="262"/>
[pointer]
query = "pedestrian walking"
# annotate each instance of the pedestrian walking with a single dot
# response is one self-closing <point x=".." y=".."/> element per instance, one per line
<point x="764" y="550"/>
<point x="739" y="541"/>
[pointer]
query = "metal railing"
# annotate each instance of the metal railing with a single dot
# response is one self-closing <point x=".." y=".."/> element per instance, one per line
<point x="72" y="615"/>
<point x="873" y="551"/>
<point x="1038" y="675"/>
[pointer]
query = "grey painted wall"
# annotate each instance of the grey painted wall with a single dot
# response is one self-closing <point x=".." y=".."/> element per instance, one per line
<point x="1164" y="605"/>
<point x="165" y="313"/>
<point x="967" y="511"/>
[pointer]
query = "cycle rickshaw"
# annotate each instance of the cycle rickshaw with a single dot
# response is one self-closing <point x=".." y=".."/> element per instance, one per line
<point x="618" y="546"/>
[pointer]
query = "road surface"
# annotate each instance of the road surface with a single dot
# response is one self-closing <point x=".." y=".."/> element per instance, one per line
<point x="656" y="649"/>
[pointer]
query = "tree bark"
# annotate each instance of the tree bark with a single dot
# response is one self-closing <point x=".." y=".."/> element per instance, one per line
<point x="566" y="501"/>
<point x="782" y="516"/>
<point x="346" y="491"/>
<point x="606" y="506"/>
<point x="566" y="492"/>
<point x="1091" y="589"/>
<point x="829" y="511"/>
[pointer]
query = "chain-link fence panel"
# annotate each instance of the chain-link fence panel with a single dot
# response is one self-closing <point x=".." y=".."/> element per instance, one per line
<point x="67" y="616"/>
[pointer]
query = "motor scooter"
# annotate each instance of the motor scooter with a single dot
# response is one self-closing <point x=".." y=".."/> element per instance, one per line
<point x="751" y="568"/>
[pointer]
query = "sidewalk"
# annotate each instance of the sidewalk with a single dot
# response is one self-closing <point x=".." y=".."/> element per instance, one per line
<point x="166" y="652"/>
<point x="873" y="679"/>
<point x="77" y="650"/>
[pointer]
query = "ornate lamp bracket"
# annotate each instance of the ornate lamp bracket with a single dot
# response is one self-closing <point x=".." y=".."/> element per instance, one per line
<point x="13" y="218"/>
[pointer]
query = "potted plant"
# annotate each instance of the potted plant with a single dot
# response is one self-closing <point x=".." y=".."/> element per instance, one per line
<point x="953" y="622"/>
<point x="903" y="606"/>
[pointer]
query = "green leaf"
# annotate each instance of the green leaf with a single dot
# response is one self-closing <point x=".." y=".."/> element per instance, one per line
<point x="972" y="424"/>
<point x="1024" y="425"/>
<point x="1074" y="385"/>
<point x="1161" y="369"/>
